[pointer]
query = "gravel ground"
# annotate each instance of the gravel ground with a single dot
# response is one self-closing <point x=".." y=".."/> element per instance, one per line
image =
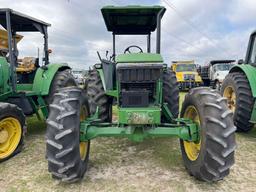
<point x="120" y="165"/>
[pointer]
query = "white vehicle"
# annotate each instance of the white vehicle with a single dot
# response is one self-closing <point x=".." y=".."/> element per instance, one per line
<point x="215" y="72"/>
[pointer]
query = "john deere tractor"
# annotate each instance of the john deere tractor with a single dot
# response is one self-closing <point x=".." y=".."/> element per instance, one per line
<point x="26" y="88"/>
<point x="147" y="97"/>
<point x="239" y="87"/>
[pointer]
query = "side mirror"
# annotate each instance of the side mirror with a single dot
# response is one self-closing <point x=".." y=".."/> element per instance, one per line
<point x="240" y="61"/>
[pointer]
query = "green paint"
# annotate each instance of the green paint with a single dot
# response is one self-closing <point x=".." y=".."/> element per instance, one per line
<point x="35" y="107"/>
<point x="159" y="92"/>
<point x="5" y="95"/>
<point x="132" y="116"/>
<point x="43" y="106"/>
<point x="101" y="73"/>
<point x="90" y="131"/>
<point x="113" y="93"/>
<point x="24" y="87"/>
<point x="43" y="78"/>
<point x="139" y="58"/>
<point x="167" y="113"/>
<point x="253" y="115"/>
<point x="4" y="76"/>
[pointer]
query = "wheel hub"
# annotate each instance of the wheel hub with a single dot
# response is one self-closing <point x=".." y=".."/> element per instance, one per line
<point x="230" y="94"/>
<point x="192" y="149"/>
<point x="3" y="135"/>
<point x="10" y="135"/>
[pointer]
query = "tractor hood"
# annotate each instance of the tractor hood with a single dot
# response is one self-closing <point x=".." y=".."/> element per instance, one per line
<point x="139" y="58"/>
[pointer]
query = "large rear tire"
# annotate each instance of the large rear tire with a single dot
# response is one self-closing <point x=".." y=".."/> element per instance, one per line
<point x="61" y="79"/>
<point x="98" y="98"/>
<point x="67" y="156"/>
<point x="237" y="90"/>
<point x="210" y="158"/>
<point x="171" y="93"/>
<point x="12" y="130"/>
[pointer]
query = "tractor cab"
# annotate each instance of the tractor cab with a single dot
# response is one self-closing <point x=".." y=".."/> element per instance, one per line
<point x="251" y="51"/>
<point x="24" y="69"/>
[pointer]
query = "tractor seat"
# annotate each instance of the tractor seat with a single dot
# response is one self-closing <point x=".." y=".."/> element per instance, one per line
<point x="26" y="65"/>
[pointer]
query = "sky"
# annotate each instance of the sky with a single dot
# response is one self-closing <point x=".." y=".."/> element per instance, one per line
<point x="200" y="30"/>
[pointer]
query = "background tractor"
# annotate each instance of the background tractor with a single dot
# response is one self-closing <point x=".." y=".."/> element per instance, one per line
<point x="147" y="97"/>
<point x="239" y="87"/>
<point x="25" y="87"/>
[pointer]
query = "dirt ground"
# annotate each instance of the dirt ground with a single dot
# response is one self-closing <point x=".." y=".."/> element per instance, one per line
<point x="120" y="165"/>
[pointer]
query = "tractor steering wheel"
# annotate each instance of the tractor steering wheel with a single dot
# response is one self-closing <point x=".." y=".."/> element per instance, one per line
<point x="135" y="46"/>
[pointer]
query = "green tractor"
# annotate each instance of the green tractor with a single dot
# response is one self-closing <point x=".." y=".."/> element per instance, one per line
<point x="26" y="88"/>
<point x="239" y="87"/>
<point x="146" y="93"/>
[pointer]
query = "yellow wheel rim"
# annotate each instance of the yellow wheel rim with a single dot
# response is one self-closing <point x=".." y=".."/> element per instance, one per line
<point x="83" y="146"/>
<point x="10" y="135"/>
<point x="230" y="94"/>
<point x="192" y="149"/>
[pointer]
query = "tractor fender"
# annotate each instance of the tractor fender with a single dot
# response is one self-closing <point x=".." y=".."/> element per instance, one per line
<point x="44" y="77"/>
<point x="250" y="72"/>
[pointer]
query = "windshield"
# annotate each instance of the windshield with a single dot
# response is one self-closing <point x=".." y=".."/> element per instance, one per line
<point x="186" y="67"/>
<point x="223" y="67"/>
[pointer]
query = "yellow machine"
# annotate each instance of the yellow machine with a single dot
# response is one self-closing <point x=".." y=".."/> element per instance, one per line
<point x="186" y="74"/>
<point x="25" y="65"/>
<point x="4" y="39"/>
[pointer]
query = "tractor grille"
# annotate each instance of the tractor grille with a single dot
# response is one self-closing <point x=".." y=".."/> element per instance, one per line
<point x="140" y="74"/>
<point x="138" y="83"/>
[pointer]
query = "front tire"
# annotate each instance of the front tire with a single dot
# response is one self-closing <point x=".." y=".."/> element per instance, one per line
<point x="61" y="79"/>
<point x="210" y="158"/>
<point x="67" y="156"/>
<point x="237" y="90"/>
<point x="12" y="129"/>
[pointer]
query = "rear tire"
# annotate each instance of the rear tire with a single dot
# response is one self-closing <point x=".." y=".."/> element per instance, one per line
<point x="61" y="79"/>
<point x="98" y="98"/>
<point x="243" y="104"/>
<point x="171" y="93"/>
<point x="211" y="157"/>
<point x="67" y="156"/>
<point x="12" y="122"/>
